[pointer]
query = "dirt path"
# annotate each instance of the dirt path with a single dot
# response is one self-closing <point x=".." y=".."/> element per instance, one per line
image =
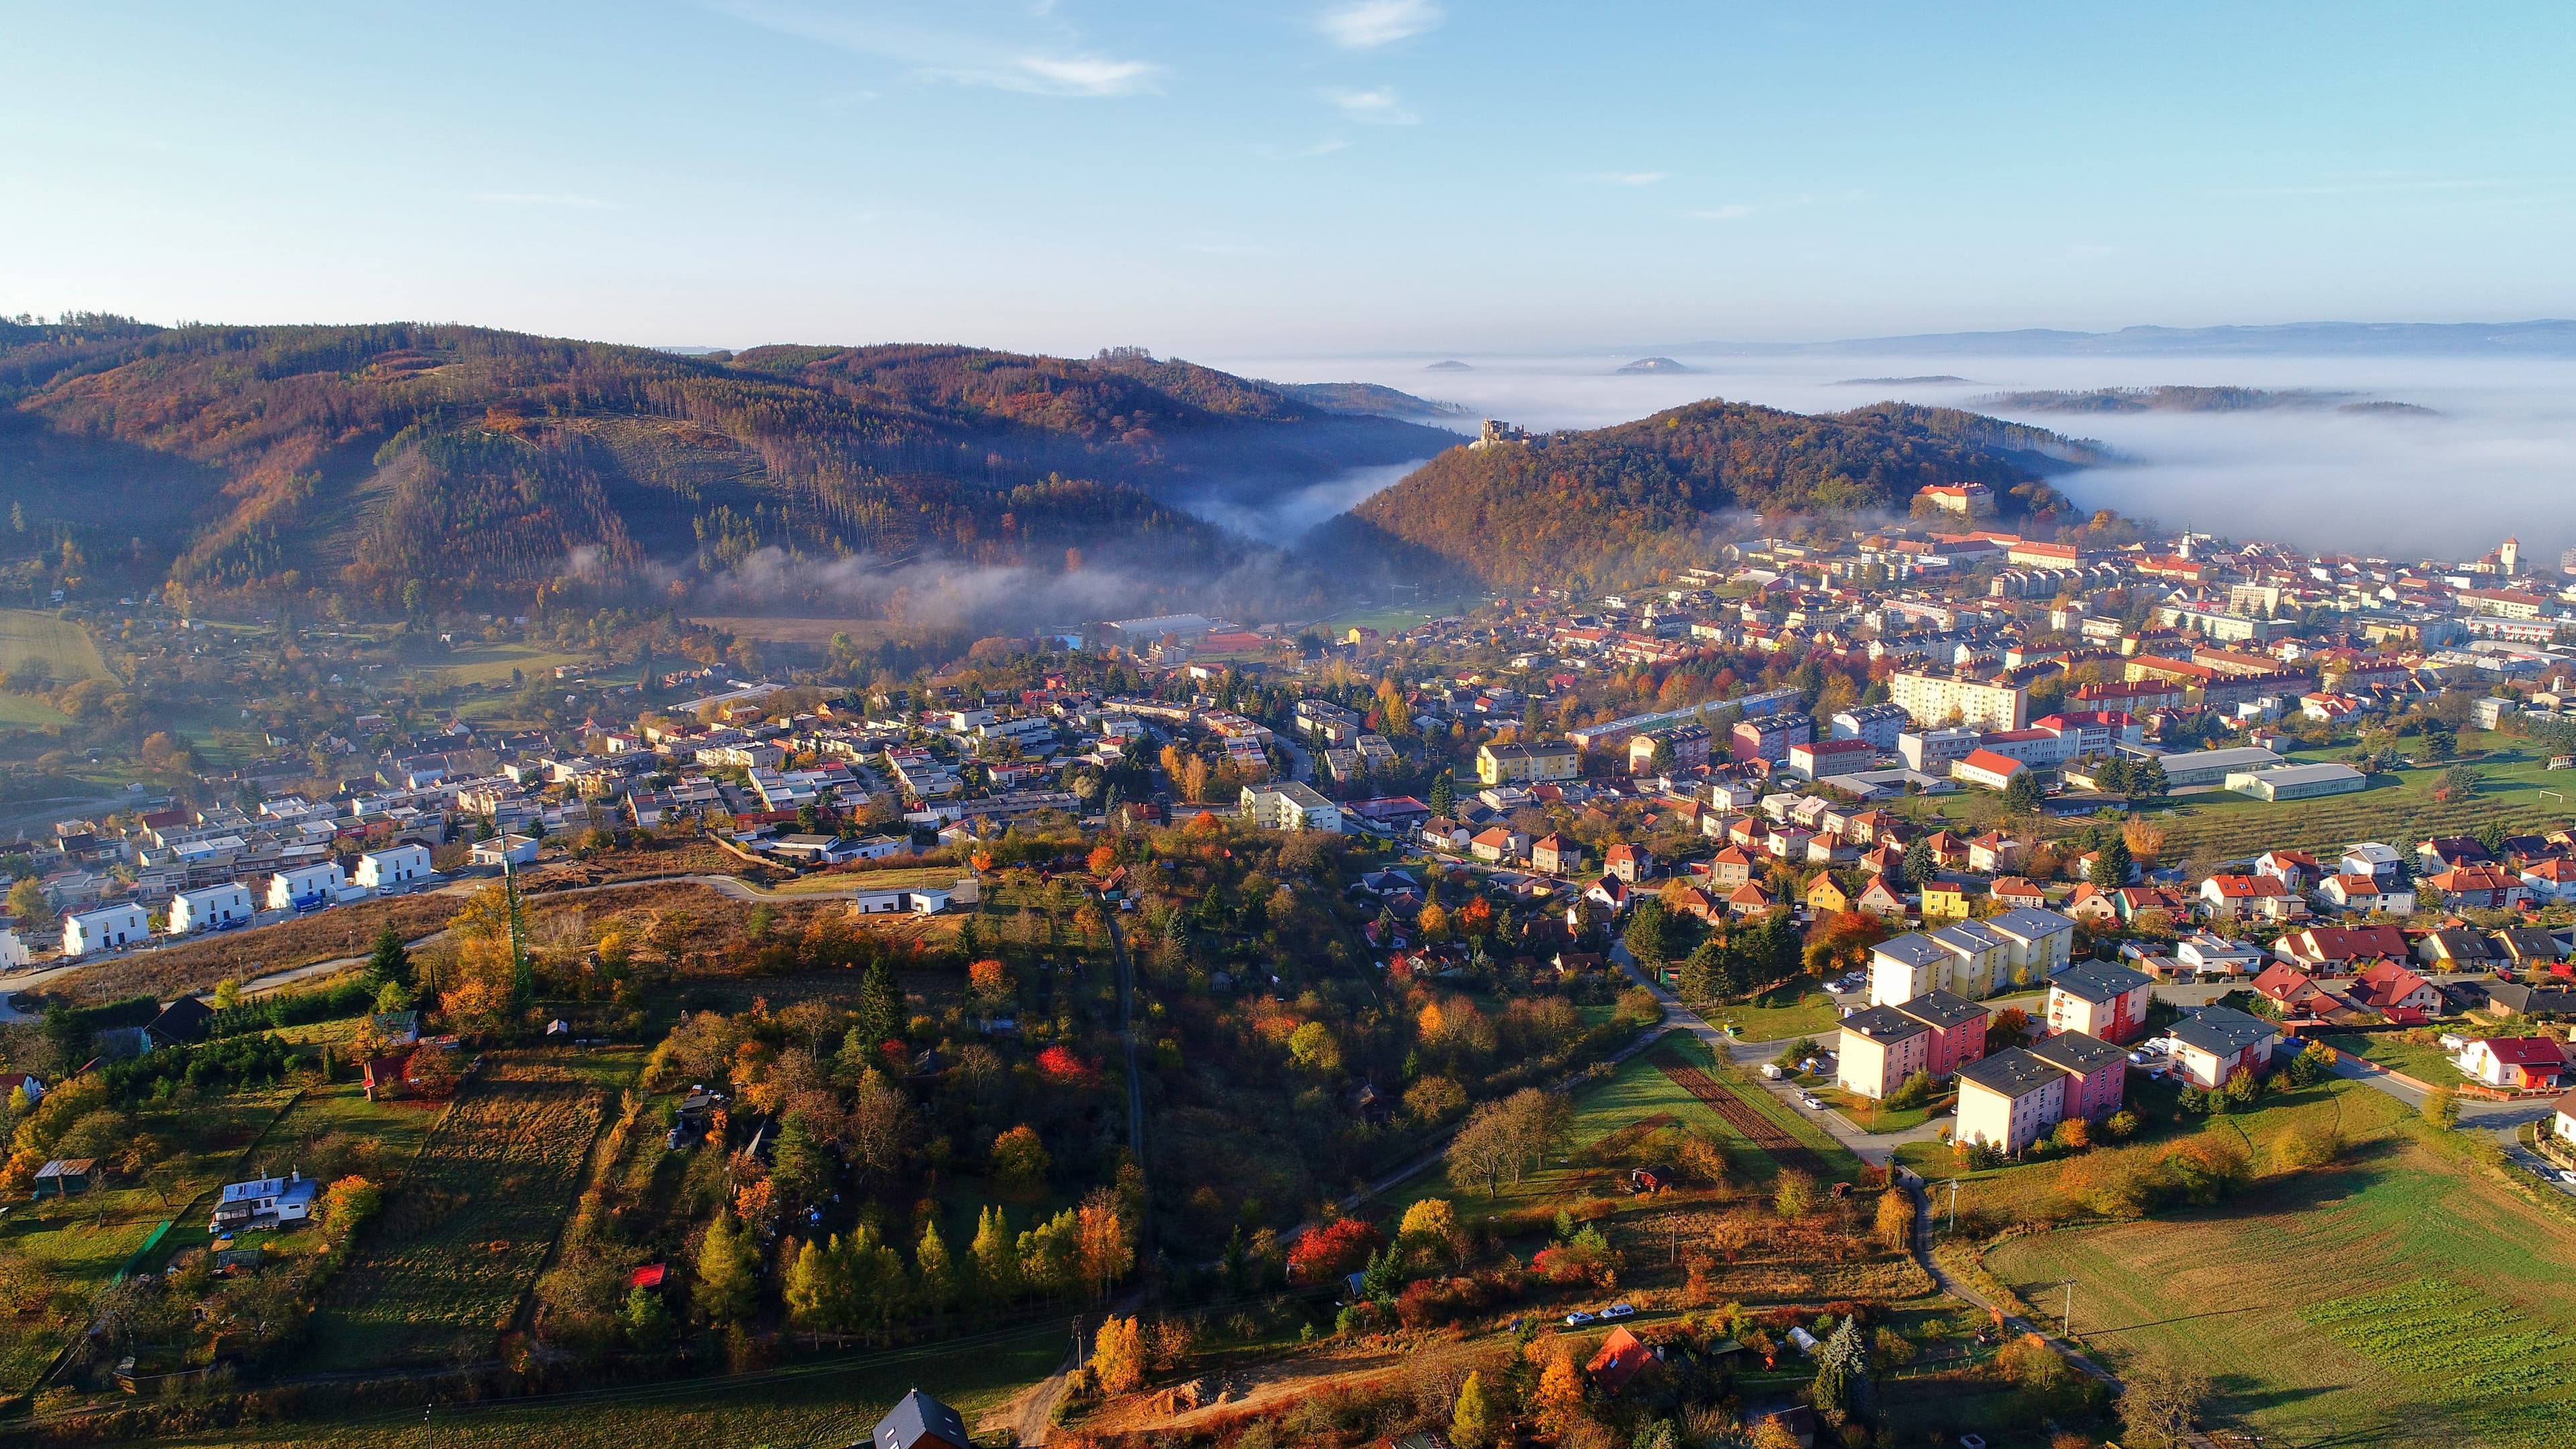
<point x="1268" y="1385"/>
<point x="1756" y="1125"/>
<point x="1029" y="1415"/>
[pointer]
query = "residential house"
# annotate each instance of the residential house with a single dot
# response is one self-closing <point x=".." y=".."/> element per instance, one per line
<point x="2252" y="897"/>
<point x="264" y="1202"/>
<point x="2478" y="886"/>
<point x="2371" y="858"/>
<point x="1731" y="868"/>
<point x="1554" y="854"/>
<point x="1994" y="853"/>
<point x="2393" y="991"/>
<point x="919" y="1421"/>
<point x="1879" y="900"/>
<point x="27" y="1082"/>
<point x="2362" y="894"/>
<point x="2212" y="955"/>
<point x="1944" y="900"/>
<point x="2329" y="950"/>
<point x="211" y="908"/>
<point x="2298" y="995"/>
<point x="399" y="865"/>
<point x="108" y="928"/>
<point x="1750" y="899"/>
<point x="1987" y="770"/>
<point x="305" y="886"/>
<point x="2099" y="999"/>
<point x="2516" y="1063"/>
<point x="2550" y="881"/>
<point x="1497" y="843"/>
<point x="2097" y="1072"/>
<point x="504" y="849"/>
<point x="2443" y="852"/>
<point x="2091" y="905"/>
<point x="2456" y="948"/>
<point x="1824" y="897"/>
<point x="2042" y="942"/>
<point x="1621" y="1357"/>
<point x="2297" y="868"/>
<point x="1631" y="863"/>
<point x="2530" y="947"/>
<point x="1288" y="805"/>
<point x="181" y="1023"/>
<point x="2212" y="1043"/>
<point x="2014" y="892"/>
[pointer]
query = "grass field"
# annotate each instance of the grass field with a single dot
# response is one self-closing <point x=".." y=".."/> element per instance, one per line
<point x="2511" y="774"/>
<point x="1800" y="1009"/>
<point x="468" y="1224"/>
<point x="491" y="664"/>
<point x="62" y="645"/>
<point x="837" y="1401"/>
<point x="2401" y="1299"/>
<point x="2390" y="1050"/>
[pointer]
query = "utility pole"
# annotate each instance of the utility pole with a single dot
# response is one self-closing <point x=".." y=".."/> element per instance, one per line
<point x="1954" y="1205"/>
<point x="2066" y="1321"/>
<point x="523" y="984"/>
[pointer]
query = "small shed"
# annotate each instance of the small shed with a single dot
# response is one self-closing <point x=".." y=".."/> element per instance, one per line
<point x="181" y="1023"/>
<point x="65" y="1176"/>
<point x="650" y="1276"/>
<point x="1650" y="1179"/>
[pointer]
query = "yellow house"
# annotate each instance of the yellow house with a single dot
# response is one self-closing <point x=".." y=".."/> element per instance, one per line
<point x="1824" y="895"/>
<point x="1944" y="902"/>
<point x="1515" y="764"/>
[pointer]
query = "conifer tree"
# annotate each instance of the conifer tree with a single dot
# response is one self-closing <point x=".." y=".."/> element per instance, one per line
<point x="727" y="1267"/>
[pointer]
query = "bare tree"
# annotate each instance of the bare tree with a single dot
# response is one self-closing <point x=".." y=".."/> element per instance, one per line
<point x="2162" y="1402"/>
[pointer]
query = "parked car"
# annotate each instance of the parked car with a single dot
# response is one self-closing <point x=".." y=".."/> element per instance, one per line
<point x="1810" y="1101"/>
<point x="1578" y="1318"/>
<point x="1620" y="1310"/>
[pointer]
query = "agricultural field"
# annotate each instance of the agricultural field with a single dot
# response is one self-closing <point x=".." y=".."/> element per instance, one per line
<point x="483" y="663"/>
<point x="198" y="963"/>
<point x="2511" y="774"/>
<point x="61" y="645"/>
<point x="2402" y="1298"/>
<point x="467" y="1225"/>
<point x="55" y="1256"/>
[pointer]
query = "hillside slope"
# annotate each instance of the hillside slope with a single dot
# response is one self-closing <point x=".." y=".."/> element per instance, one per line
<point x="487" y="466"/>
<point x="1620" y="502"/>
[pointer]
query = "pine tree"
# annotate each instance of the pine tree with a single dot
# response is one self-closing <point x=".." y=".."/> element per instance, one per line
<point x="727" y="1266"/>
<point x="387" y="960"/>
<point x="1919" y="866"/>
<point x="1444" y="795"/>
<point x="2110" y="865"/>
<point x="933" y="1275"/>
<point x="881" y="1005"/>
<point x="1842" y="1372"/>
<point x="800" y="1172"/>
<point x="809" y="1290"/>
<point x="646" y="1321"/>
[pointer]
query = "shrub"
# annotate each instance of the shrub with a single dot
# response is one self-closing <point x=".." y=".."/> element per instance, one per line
<point x="1914" y="1091"/>
<point x="2210" y="1167"/>
<point x="2311" y="1144"/>
<point x="2114" y="1184"/>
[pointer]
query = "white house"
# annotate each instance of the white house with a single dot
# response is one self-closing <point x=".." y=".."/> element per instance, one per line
<point x="105" y="929"/>
<point x="397" y="865"/>
<point x="13" y="952"/>
<point x="210" y="908"/>
<point x="264" y="1203"/>
<point x="505" y="849"/>
<point x="880" y="903"/>
<point x="926" y="900"/>
<point x="2564" y="1124"/>
<point x="1289" y="806"/>
<point x="305" y="885"/>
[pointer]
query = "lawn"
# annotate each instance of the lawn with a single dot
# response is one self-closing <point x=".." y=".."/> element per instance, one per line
<point x="1869" y="1116"/>
<point x="833" y="1401"/>
<point x="2393" y="1051"/>
<point x="342" y="1108"/>
<point x="1798" y="1009"/>
<point x="62" y="645"/>
<point x="2404" y="1298"/>
<point x="482" y="663"/>
<point x="467" y="1225"/>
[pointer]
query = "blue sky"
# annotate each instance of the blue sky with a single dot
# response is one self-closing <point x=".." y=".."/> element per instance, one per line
<point x="1432" y="175"/>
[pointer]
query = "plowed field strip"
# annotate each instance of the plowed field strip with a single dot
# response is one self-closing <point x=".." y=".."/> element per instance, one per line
<point x="1756" y="1126"/>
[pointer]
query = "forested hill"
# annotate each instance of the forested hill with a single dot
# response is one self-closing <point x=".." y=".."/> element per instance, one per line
<point x="487" y="465"/>
<point x="1620" y="502"/>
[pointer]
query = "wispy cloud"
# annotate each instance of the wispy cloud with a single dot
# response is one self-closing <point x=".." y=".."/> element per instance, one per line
<point x="1368" y="24"/>
<point x="1378" y="107"/>
<point x="1301" y="153"/>
<point x="538" y="198"/>
<point x="1623" y="178"/>
<point x="1723" y="213"/>
<point x="1738" y="210"/>
<point x="1018" y="49"/>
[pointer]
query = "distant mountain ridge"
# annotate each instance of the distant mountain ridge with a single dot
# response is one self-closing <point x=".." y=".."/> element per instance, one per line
<point x="2547" y="337"/>
<point x="489" y="465"/>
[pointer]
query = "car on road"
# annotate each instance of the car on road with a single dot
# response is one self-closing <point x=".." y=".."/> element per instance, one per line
<point x="1810" y="1102"/>
<point x="1578" y="1318"/>
<point x="2567" y="1176"/>
<point x="1620" y="1310"/>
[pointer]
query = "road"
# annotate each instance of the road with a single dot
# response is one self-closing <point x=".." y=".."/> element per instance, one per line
<point x="1878" y="1149"/>
<point x="1127" y="1039"/>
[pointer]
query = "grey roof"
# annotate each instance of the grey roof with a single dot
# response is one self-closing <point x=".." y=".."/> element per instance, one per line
<point x="2459" y="943"/>
<point x="919" y="1421"/>
<point x="1883" y="1024"/>
<point x="1914" y="949"/>
<point x="2029" y="923"/>
<point x="2012" y="1072"/>
<point x="1941" y="1011"/>
<point x="1970" y="937"/>
<point x="2077" y="1052"/>
<point x="2098" y="981"/>
<point x="2221" y="1031"/>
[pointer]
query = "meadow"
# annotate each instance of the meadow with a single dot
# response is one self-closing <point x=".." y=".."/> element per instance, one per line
<point x="61" y="645"/>
<point x="2512" y="774"/>
<point x="2401" y="1298"/>
<point x="468" y="1224"/>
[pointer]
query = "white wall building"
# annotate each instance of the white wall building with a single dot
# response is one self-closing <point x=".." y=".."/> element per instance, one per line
<point x="1289" y="806"/>
<point x="105" y="929"/>
<point x="396" y="865"/>
<point x="305" y="884"/>
<point x="13" y="952"/>
<point x="209" y="907"/>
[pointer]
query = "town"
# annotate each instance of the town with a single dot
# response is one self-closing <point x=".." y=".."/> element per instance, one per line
<point x="1907" y="855"/>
